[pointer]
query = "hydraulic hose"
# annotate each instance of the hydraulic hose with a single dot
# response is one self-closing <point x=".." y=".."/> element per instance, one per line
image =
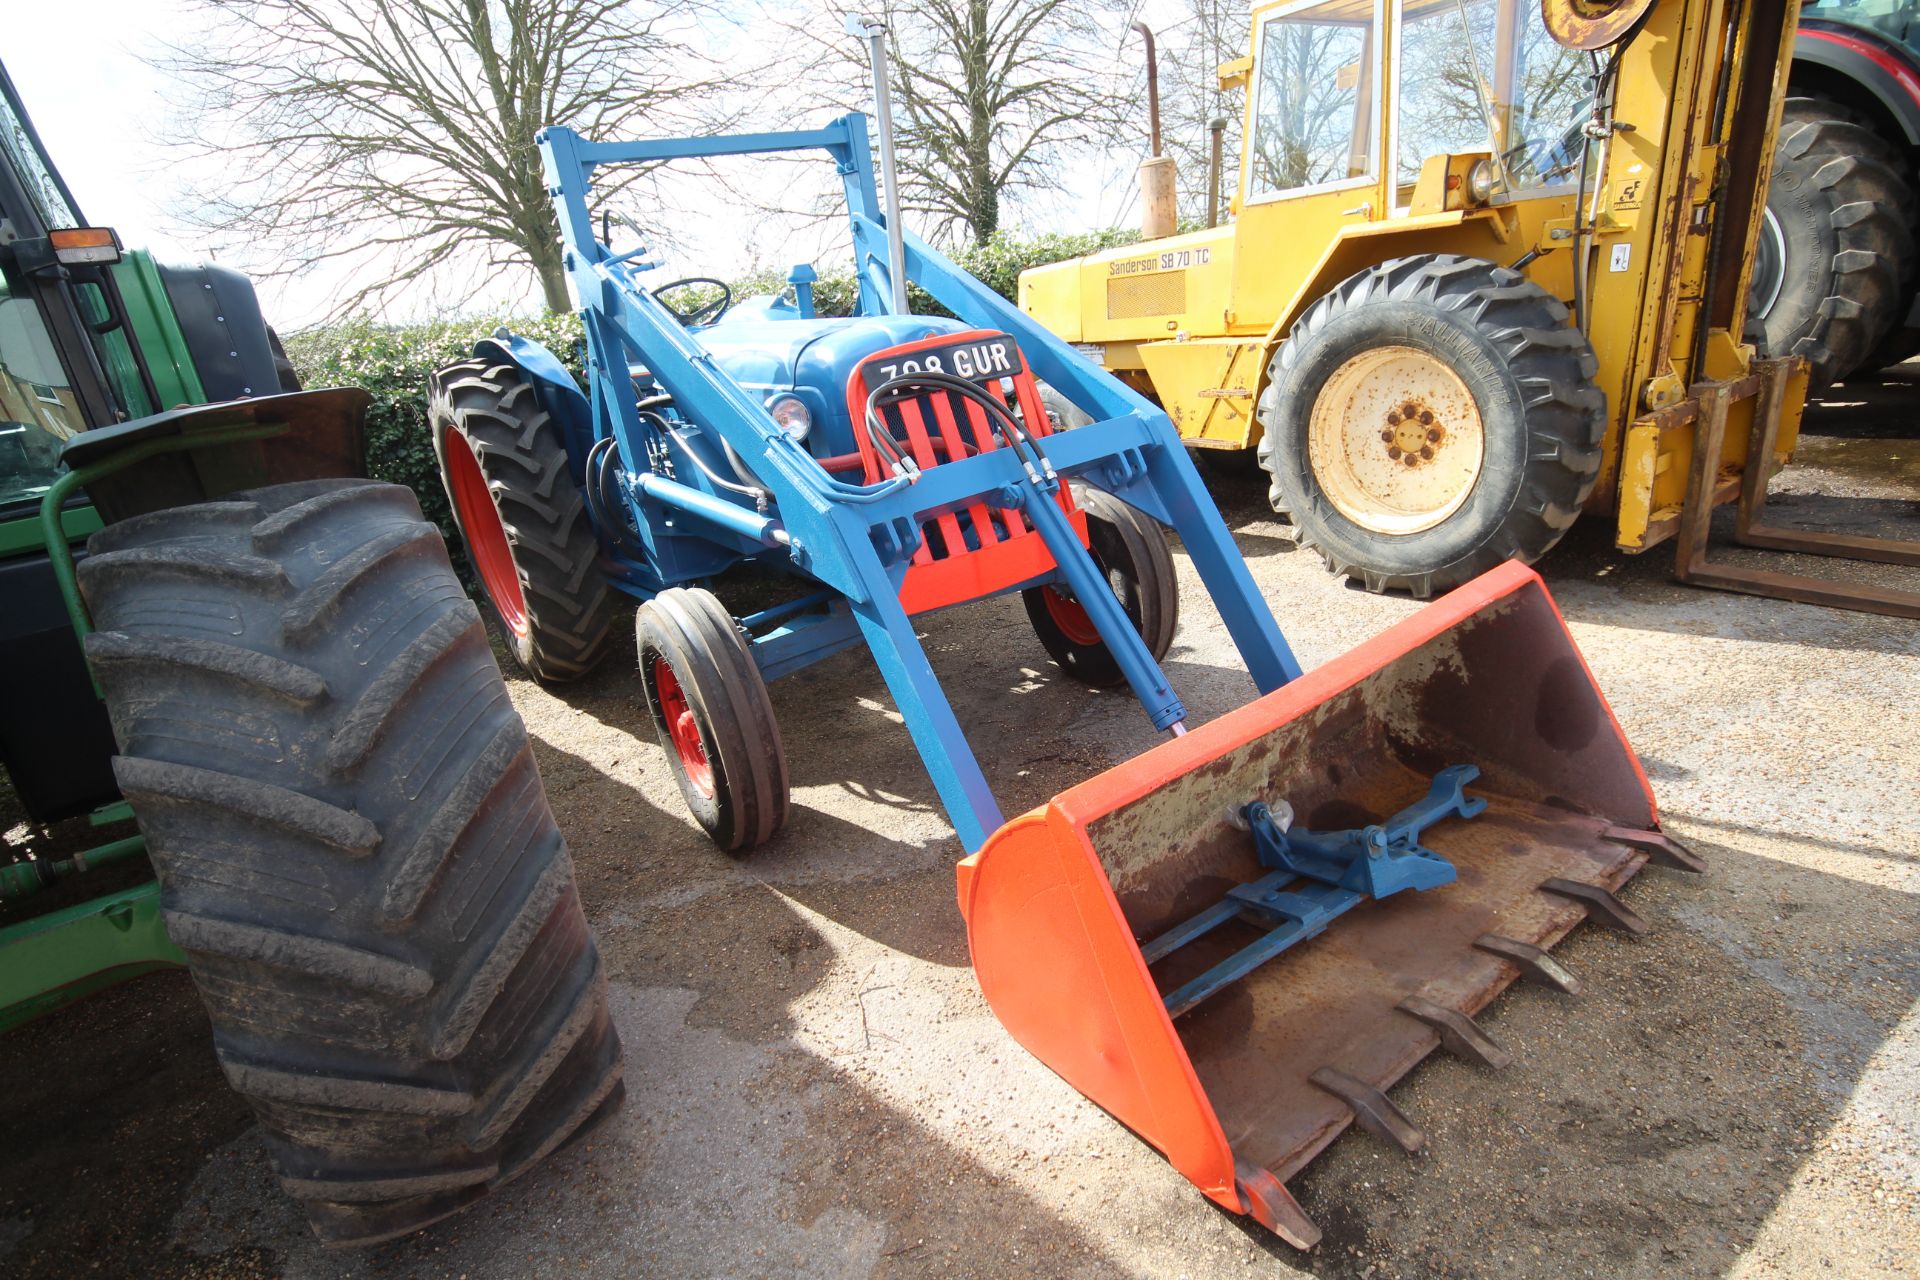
<point x="603" y="501"/>
<point x="999" y="419"/>
<point x="761" y="497"/>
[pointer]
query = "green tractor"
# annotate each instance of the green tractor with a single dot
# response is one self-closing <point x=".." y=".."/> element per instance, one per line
<point x="255" y="673"/>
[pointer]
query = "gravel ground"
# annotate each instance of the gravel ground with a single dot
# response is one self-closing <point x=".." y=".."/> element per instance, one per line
<point x="816" y="1088"/>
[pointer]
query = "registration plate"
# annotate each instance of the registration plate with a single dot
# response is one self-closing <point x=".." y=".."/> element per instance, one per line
<point x="983" y="359"/>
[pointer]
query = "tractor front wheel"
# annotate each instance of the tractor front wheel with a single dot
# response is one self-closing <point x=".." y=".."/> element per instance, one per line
<point x="522" y="517"/>
<point x="1429" y="418"/>
<point x="1131" y="551"/>
<point x="713" y="717"/>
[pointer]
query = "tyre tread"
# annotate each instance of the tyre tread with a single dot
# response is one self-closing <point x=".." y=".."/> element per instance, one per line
<point x="367" y="943"/>
<point x="1553" y="366"/>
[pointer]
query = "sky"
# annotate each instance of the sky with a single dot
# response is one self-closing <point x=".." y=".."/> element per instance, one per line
<point x="104" y="115"/>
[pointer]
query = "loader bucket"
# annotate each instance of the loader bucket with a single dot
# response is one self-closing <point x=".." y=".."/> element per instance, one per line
<point x="1243" y="1089"/>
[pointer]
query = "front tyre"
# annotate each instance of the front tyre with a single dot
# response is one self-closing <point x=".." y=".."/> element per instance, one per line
<point x="1130" y="550"/>
<point x="713" y="716"/>
<point x="1430" y="418"/>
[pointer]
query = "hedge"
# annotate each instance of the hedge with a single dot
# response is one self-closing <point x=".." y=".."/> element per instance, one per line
<point x="394" y="362"/>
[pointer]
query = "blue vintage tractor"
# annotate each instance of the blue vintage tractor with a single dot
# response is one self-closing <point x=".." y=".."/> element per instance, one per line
<point x="881" y="466"/>
<point x="893" y="464"/>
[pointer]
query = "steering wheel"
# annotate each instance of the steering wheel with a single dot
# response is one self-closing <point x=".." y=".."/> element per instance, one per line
<point x="707" y="312"/>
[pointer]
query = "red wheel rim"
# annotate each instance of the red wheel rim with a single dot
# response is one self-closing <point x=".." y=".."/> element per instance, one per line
<point x="1072" y="620"/>
<point x="486" y="536"/>
<point x="682" y="728"/>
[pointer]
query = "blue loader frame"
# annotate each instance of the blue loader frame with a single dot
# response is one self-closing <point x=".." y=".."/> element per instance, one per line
<point x="677" y="527"/>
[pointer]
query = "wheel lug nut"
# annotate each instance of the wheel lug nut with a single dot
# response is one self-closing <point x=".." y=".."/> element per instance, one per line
<point x="1413" y="459"/>
<point x="1387" y="435"/>
<point x="1408" y="409"/>
<point x="1394" y="452"/>
<point x="1433" y="434"/>
<point x="1426" y="415"/>
<point x="1393" y="418"/>
<point x="1426" y="451"/>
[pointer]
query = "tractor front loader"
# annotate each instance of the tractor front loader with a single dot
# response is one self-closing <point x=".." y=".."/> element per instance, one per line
<point x="1234" y="942"/>
<point x="1492" y="264"/>
<point x="212" y="626"/>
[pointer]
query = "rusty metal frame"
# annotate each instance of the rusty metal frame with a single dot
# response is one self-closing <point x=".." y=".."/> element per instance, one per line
<point x="1690" y="554"/>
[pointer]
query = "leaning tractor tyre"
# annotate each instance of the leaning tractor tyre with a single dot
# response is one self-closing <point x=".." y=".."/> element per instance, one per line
<point x="353" y="847"/>
<point x="522" y="517"/>
<point x="1430" y="418"/>
<point x="1131" y="550"/>
<point x="713" y="716"/>
<point x="1834" y="265"/>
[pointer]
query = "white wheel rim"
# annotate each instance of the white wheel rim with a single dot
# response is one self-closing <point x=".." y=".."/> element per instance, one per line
<point x="1769" y="267"/>
<point x="1396" y="440"/>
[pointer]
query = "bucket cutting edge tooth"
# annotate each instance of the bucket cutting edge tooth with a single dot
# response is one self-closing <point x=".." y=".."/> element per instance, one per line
<point x="1533" y="962"/>
<point x="1459" y="1034"/>
<point x="1602" y="907"/>
<point x="1661" y="849"/>
<point x="1372" y="1109"/>
<point x="1273" y="1206"/>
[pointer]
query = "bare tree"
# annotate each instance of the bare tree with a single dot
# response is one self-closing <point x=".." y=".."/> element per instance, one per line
<point x="393" y="138"/>
<point x="991" y="96"/>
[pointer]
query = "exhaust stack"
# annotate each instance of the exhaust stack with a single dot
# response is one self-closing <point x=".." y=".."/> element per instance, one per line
<point x="1159" y="205"/>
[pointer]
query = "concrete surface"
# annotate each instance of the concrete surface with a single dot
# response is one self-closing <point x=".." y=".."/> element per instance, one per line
<point x="817" y="1089"/>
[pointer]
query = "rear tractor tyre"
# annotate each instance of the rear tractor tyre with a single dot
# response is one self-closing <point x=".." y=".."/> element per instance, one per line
<point x="1834" y="265"/>
<point x="522" y="518"/>
<point x="713" y="716"/>
<point x="1428" y="419"/>
<point x="353" y="847"/>
<point x="1131" y="551"/>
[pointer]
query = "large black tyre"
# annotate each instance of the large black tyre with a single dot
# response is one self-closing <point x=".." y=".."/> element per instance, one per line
<point x="1521" y="383"/>
<point x="522" y="518"/>
<point x="713" y="716"/>
<point x="1131" y="550"/>
<point x="1835" y="265"/>
<point x="353" y="847"/>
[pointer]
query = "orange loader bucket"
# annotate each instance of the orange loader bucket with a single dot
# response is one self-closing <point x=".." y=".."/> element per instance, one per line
<point x="1241" y="1090"/>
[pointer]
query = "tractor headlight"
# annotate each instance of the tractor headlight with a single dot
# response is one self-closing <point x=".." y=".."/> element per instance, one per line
<point x="1480" y="181"/>
<point x="792" y="415"/>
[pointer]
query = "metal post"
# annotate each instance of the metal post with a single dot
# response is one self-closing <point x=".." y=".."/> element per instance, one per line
<point x="1218" y="129"/>
<point x="875" y="34"/>
<point x="1153" y="89"/>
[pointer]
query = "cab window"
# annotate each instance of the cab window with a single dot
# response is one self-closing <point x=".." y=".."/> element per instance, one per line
<point x="1484" y="75"/>
<point x="38" y="410"/>
<point x="1314" y="98"/>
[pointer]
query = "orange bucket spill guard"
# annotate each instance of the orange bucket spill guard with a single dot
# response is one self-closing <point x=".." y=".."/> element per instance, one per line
<point x="1243" y="1090"/>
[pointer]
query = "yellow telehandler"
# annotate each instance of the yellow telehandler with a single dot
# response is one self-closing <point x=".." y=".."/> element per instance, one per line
<point x="1488" y="267"/>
